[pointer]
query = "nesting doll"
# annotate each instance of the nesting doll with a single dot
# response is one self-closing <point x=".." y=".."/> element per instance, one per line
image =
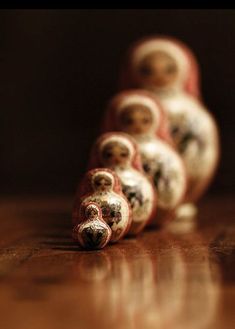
<point x="169" y="69"/>
<point x="161" y="64"/>
<point x="138" y="113"/>
<point x="92" y="232"/>
<point x="119" y="152"/>
<point x="102" y="186"/>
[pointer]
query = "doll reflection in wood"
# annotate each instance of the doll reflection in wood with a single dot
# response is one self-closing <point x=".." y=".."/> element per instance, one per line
<point x="103" y="187"/>
<point x="169" y="69"/>
<point x="120" y="153"/>
<point x="138" y="113"/>
<point x="92" y="232"/>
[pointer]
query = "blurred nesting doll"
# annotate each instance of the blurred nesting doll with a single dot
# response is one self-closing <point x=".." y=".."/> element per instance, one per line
<point x="169" y="69"/>
<point x="102" y="186"/>
<point x="119" y="152"/>
<point x="92" y="232"/>
<point x="138" y="113"/>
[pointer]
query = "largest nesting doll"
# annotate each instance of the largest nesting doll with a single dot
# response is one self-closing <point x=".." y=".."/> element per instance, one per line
<point x="168" y="68"/>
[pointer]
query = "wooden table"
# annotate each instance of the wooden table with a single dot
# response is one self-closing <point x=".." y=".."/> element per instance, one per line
<point x="179" y="278"/>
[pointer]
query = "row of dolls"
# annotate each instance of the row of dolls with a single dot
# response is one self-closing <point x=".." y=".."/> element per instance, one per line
<point x="158" y="149"/>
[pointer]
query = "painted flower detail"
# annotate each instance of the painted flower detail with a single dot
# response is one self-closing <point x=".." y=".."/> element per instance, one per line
<point x="111" y="212"/>
<point x="185" y="131"/>
<point x="133" y="194"/>
<point x="94" y="237"/>
<point x="164" y="178"/>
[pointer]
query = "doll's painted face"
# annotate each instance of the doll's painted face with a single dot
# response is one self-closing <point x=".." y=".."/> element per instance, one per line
<point x="115" y="154"/>
<point x="136" y="119"/>
<point x="91" y="212"/>
<point x="102" y="183"/>
<point x="158" y="69"/>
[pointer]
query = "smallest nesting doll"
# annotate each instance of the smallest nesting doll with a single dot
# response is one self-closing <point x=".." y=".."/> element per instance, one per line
<point x="102" y="186"/>
<point x="119" y="152"/>
<point x="93" y="232"/>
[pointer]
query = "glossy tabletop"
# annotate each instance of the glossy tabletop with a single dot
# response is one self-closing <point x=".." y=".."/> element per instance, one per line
<point x="182" y="277"/>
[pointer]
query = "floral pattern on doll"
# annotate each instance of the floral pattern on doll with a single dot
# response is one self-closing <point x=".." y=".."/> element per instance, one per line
<point x="185" y="132"/>
<point x="93" y="233"/>
<point x="164" y="178"/>
<point x="90" y="239"/>
<point x="137" y="202"/>
<point x="111" y="212"/>
<point x="134" y="195"/>
<point x="195" y="142"/>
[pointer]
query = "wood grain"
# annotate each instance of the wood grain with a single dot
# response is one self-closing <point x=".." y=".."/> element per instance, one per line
<point x="182" y="277"/>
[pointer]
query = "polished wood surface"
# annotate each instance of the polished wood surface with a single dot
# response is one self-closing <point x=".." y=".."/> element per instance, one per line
<point x="182" y="277"/>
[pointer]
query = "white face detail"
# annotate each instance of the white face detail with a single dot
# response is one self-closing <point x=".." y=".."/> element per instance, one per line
<point x="136" y="119"/>
<point x="91" y="212"/>
<point x="102" y="182"/>
<point x="138" y="114"/>
<point x="160" y="64"/>
<point x="116" y="152"/>
<point x="158" y="70"/>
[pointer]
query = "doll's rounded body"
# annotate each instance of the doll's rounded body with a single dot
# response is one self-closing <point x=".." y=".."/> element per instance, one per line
<point x="92" y="232"/>
<point x="195" y="136"/>
<point x="165" y="167"/>
<point x="102" y="187"/>
<point x="139" y="193"/>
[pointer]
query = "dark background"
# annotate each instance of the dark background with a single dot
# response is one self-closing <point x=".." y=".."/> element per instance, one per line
<point x="59" y="67"/>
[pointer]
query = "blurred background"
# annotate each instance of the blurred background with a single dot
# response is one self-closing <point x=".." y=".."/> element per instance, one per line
<point x="58" y="69"/>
